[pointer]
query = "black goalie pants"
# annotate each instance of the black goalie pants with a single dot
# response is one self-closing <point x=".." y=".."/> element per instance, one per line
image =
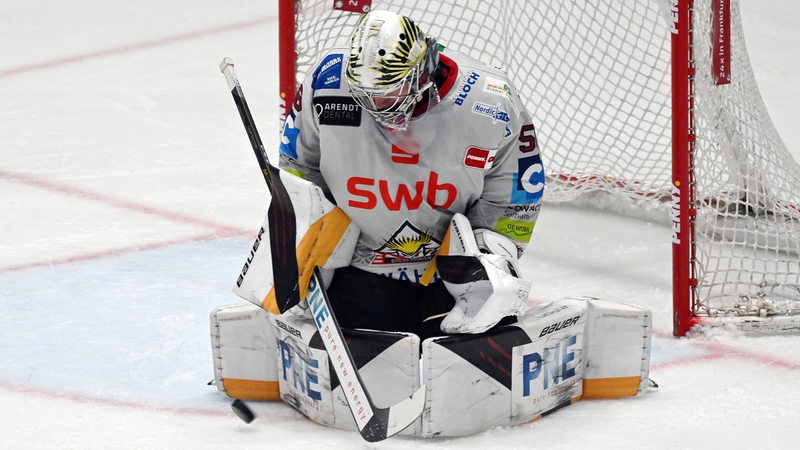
<point x="365" y="300"/>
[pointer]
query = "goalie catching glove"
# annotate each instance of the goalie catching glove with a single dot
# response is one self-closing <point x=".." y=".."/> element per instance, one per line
<point x="479" y="269"/>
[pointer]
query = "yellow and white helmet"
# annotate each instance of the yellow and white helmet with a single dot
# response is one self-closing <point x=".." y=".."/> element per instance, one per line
<point x="390" y="66"/>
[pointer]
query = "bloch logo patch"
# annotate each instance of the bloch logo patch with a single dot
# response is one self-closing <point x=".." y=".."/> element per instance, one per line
<point x="479" y="158"/>
<point x="466" y="87"/>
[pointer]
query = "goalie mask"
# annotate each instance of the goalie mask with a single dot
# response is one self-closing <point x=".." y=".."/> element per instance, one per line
<point x="390" y="66"/>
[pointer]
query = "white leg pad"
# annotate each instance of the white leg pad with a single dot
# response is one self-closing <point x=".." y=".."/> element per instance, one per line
<point x="243" y="346"/>
<point x="555" y="355"/>
<point x="387" y="362"/>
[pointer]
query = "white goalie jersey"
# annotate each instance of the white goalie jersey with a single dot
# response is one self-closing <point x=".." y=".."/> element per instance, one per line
<point x="473" y="152"/>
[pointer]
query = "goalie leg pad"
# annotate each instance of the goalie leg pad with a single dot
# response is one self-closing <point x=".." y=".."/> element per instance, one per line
<point x="387" y="362"/>
<point x="553" y="356"/>
<point x="260" y="356"/>
<point x="243" y="346"/>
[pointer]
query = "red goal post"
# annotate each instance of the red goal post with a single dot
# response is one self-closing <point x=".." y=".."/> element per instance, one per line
<point x="649" y="108"/>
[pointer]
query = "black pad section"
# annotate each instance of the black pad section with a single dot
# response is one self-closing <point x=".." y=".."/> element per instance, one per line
<point x="489" y="351"/>
<point x="365" y="345"/>
<point x="460" y="269"/>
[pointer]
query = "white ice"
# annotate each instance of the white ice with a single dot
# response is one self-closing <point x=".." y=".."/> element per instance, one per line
<point x="129" y="195"/>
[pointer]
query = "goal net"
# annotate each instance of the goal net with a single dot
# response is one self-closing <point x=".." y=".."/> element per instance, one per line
<point x="647" y="107"/>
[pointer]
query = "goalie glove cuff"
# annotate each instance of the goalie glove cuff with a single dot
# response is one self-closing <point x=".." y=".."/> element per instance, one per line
<point x="490" y="242"/>
<point x="480" y="271"/>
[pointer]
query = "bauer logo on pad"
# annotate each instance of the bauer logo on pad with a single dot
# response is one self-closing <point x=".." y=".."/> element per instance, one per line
<point x="479" y="158"/>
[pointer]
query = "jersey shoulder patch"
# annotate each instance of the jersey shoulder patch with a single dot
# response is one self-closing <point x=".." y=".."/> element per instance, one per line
<point x="328" y="74"/>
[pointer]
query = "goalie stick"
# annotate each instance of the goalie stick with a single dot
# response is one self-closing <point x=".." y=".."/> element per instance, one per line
<point x="375" y="424"/>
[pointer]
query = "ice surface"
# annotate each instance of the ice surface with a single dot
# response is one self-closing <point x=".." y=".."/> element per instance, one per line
<point x="129" y="194"/>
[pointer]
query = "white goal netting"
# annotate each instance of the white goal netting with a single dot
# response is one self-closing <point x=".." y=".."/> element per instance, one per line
<point x="596" y="77"/>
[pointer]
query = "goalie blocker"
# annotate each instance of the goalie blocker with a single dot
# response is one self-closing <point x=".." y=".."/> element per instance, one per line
<point x="553" y="356"/>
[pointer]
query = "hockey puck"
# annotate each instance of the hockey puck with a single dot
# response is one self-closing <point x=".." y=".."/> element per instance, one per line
<point x="243" y="411"/>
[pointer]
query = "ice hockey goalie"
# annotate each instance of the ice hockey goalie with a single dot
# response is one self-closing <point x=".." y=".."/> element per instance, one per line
<point x="551" y="356"/>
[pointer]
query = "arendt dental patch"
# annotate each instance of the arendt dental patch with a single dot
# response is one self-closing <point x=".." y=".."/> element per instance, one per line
<point x="337" y="111"/>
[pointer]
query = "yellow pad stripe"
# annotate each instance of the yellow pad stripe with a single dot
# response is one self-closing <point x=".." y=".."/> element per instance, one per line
<point x="430" y="271"/>
<point x="251" y="389"/>
<point x="611" y="387"/>
<point x="444" y="249"/>
<point x="314" y="249"/>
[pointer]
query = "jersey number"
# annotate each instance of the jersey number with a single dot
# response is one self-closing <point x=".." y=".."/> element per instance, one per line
<point x="527" y="137"/>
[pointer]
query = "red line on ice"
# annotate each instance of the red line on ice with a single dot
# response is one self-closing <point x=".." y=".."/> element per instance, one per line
<point x="47" y="393"/>
<point x="718" y="351"/>
<point x="733" y="352"/>
<point x="110" y="252"/>
<point x="118" y="203"/>
<point x="136" y="46"/>
<point x="219" y="230"/>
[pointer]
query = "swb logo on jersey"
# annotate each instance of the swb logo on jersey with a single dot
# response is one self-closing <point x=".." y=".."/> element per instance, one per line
<point x="371" y="193"/>
<point x="479" y="158"/>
